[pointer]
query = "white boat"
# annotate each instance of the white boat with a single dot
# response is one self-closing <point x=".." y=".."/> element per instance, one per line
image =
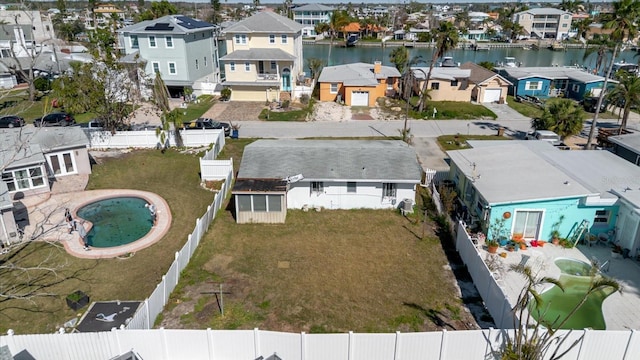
<point x="509" y="62"/>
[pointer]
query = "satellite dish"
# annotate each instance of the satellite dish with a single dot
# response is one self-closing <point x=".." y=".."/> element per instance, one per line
<point x="293" y="178"/>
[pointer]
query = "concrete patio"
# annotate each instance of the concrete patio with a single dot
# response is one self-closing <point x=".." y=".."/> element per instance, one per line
<point x="619" y="309"/>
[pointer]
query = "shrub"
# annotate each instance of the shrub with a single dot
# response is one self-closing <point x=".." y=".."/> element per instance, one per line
<point x="304" y="99"/>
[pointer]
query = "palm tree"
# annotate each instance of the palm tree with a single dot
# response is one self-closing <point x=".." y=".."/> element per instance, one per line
<point x="315" y="65"/>
<point x="623" y="24"/>
<point x="487" y="65"/>
<point x="571" y="6"/>
<point x="561" y="116"/>
<point x="601" y="55"/>
<point x="446" y="38"/>
<point x="337" y="21"/>
<point x="627" y="92"/>
<point x="399" y="57"/>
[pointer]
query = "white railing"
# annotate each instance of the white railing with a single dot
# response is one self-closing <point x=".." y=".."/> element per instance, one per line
<point x="215" y="169"/>
<point x="152" y="306"/>
<point x="209" y="344"/>
<point x="148" y="139"/>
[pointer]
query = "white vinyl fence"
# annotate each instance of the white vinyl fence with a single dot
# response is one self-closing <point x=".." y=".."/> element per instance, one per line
<point x="152" y="306"/>
<point x="209" y="344"/>
<point x="211" y="169"/>
<point x="149" y="139"/>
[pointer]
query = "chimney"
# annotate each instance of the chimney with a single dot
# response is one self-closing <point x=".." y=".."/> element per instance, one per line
<point x="377" y="65"/>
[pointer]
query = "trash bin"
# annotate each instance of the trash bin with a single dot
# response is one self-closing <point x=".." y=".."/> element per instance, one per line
<point x="234" y="133"/>
<point x="501" y="131"/>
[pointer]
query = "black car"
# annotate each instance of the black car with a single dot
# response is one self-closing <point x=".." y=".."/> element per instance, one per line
<point x="11" y="121"/>
<point x="590" y="103"/>
<point x="206" y="123"/>
<point x="55" y="119"/>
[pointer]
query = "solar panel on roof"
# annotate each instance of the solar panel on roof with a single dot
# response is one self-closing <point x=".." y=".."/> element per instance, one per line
<point x="189" y="23"/>
<point x="159" y="26"/>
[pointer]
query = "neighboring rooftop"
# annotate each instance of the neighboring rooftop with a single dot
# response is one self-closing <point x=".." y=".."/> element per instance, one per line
<point x="628" y="141"/>
<point x="544" y="11"/>
<point x="313" y="7"/>
<point x="26" y="145"/>
<point x="175" y="24"/>
<point x="552" y="72"/>
<point x="263" y="22"/>
<point x="446" y="73"/>
<point x="357" y="74"/>
<point x="480" y="74"/>
<point x="317" y="160"/>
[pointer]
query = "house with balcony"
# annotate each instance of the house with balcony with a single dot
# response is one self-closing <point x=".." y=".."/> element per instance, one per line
<point x="545" y="23"/>
<point x="311" y="15"/>
<point x="358" y="84"/>
<point x="183" y="50"/>
<point x="264" y="58"/>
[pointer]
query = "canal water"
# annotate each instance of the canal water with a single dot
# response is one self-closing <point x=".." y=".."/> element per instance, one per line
<point x="542" y="57"/>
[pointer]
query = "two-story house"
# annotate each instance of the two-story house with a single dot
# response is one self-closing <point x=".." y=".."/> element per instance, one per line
<point x="311" y="15"/>
<point x="183" y="50"/>
<point x="264" y="58"/>
<point x="545" y="23"/>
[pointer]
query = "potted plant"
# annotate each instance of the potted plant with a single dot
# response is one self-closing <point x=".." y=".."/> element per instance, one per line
<point x="77" y="300"/>
<point x="555" y="230"/>
<point x="492" y="246"/>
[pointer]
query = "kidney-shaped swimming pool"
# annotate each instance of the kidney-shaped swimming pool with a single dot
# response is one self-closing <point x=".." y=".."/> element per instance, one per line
<point x="116" y="221"/>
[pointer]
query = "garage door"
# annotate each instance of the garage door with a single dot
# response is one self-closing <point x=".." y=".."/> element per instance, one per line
<point x="359" y="98"/>
<point x="492" y="95"/>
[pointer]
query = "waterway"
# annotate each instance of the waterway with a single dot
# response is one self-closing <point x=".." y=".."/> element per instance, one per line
<point x="542" y="57"/>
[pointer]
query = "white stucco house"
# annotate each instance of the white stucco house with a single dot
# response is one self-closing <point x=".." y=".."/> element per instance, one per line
<point x="276" y="175"/>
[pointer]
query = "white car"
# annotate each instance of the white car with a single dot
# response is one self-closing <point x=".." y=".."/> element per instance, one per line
<point x="544" y="135"/>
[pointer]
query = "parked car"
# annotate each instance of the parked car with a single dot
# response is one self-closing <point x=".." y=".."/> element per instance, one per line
<point x="589" y="104"/>
<point x="206" y="123"/>
<point x="55" y="119"/>
<point x="11" y="121"/>
<point x="93" y="125"/>
<point x="544" y="135"/>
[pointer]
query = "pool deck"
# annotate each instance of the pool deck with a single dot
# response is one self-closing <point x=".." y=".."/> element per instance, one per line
<point x="620" y="310"/>
<point x="46" y="220"/>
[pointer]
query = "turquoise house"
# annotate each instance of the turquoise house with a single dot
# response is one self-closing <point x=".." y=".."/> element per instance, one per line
<point x="537" y="188"/>
<point x="543" y="82"/>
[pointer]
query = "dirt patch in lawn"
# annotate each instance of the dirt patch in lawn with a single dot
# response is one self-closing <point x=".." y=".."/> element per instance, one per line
<point x="328" y="271"/>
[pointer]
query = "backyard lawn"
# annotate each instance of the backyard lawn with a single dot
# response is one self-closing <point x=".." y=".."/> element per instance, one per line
<point x="173" y="176"/>
<point x="327" y="271"/>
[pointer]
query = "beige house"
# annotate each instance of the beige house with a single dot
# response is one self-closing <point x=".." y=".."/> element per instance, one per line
<point x="545" y="23"/>
<point x="445" y="83"/>
<point x="486" y="86"/>
<point x="264" y="58"/>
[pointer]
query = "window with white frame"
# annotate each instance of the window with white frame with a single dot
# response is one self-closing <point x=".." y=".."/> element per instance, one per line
<point x="527" y="222"/>
<point x="156" y="67"/>
<point x="435" y="86"/>
<point x="197" y="67"/>
<point x="24" y="179"/>
<point x="575" y="87"/>
<point x="62" y="163"/>
<point x="260" y="203"/>
<point x="232" y="66"/>
<point x="172" y="68"/>
<point x="274" y="66"/>
<point x="134" y="41"/>
<point x="283" y="39"/>
<point x="317" y="187"/>
<point x="533" y="85"/>
<point x="241" y="39"/>
<point x="247" y="66"/>
<point x="168" y="42"/>
<point x="152" y="41"/>
<point x="351" y="187"/>
<point x="334" y="88"/>
<point x="390" y="83"/>
<point x="389" y="190"/>
<point x="272" y="39"/>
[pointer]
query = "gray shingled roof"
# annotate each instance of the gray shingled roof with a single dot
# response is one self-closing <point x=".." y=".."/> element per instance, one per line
<point x="479" y="74"/>
<point x="356" y="74"/>
<point x="446" y="73"/>
<point x="319" y="160"/>
<point x="544" y="11"/>
<point x="313" y="7"/>
<point x="17" y="152"/>
<point x="552" y="73"/>
<point x="265" y="22"/>
<point x="258" y="54"/>
<point x="175" y="24"/>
